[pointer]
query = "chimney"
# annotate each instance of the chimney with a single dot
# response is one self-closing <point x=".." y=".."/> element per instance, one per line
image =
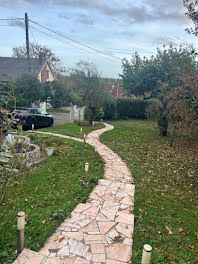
<point x="42" y="58"/>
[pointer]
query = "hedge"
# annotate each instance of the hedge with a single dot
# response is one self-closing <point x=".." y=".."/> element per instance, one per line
<point x="131" y="108"/>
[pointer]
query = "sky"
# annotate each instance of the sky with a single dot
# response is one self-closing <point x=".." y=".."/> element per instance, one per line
<point x="117" y="28"/>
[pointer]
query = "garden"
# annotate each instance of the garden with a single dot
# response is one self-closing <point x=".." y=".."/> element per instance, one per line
<point x="166" y="205"/>
<point x="47" y="192"/>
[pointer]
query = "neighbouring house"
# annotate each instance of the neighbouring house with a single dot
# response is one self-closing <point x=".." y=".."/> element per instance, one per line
<point x="116" y="91"/>
<point x="13" y="68"/>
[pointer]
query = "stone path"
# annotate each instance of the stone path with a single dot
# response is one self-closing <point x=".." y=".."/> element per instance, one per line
<point x="99" y="231"/>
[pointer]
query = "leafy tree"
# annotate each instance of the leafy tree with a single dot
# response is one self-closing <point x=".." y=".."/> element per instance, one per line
<point x="158" y="76"/>
<point x="35" y="49"/>
<point x="59" y="94"/>
<point x="143" y="76"/>
<point x="86" y="84"/>
<point x="28" y="90"/>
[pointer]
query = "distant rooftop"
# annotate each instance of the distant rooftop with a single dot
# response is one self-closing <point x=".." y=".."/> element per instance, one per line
<point x="15" y="67"/>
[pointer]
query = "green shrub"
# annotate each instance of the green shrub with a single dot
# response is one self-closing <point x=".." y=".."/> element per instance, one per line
<point x="109" y="109"/>
<point x="131" y="108"/>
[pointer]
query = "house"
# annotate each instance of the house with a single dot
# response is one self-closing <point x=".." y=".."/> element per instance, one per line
<point x="116" y="91"/>
<point x="13" y="68"/>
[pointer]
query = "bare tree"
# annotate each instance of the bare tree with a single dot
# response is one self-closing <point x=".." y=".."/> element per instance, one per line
<point x="192" y="14"/>
<point x="35" y="49"/>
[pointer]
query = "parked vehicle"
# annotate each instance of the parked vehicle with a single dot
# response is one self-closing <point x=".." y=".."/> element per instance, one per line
<point x="30" y="118"/>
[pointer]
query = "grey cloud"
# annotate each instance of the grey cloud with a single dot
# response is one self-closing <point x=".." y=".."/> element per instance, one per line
<point x="149" y="11"/>
<point x="11" y="3"/>
<point x="175" y="41"/>
<point x="17" y="23"/>
<point x="85" y="19"/>
<point x="80" y="18"/>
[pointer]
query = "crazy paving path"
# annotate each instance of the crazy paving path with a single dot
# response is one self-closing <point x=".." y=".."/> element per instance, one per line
<point x="99" y="231"/>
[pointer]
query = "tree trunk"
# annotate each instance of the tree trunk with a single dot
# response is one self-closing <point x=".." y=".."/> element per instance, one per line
<point x="163" y="123"/>
<point x="173" y="137"/>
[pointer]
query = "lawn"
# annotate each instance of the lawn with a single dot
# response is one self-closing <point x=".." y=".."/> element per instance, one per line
<point x="166" y="204"/>
<point x="51" y="110"/>
<point x="47" y="193"/>
<point x="72" y="129"/>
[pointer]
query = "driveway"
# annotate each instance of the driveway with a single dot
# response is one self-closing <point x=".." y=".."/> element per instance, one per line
<point x="61" y="118"/>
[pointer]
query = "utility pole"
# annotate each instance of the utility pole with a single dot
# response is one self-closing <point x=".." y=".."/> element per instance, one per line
<point x="27" y="37"/>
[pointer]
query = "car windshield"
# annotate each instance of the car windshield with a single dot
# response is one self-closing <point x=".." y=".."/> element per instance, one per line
<point x="43" y="112"/>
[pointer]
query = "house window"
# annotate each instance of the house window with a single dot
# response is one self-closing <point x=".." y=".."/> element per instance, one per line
<point x="47" y="73"/>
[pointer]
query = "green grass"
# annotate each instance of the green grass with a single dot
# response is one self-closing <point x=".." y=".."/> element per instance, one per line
<point x="57" y="111"/>
<point x="72" y="129"/>
<point x="166" y="204"/>
<point x="47" y="194"/>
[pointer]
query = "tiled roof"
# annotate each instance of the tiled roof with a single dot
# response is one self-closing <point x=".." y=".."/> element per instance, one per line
<point x="15" y="67"/>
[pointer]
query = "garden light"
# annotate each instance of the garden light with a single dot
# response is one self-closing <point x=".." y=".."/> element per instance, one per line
<point x="86" y="173"/>
<point x="20" y="220"/>
<point x="146" y="254"/>
<point x="86" y="167"/>
<point x="21" y="231"/>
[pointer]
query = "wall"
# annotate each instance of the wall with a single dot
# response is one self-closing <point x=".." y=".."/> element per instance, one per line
<point x="43" y="75"/>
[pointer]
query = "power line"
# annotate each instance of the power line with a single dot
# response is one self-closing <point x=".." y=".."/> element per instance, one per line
<point x="18" y="18"/>
<point x="79" y="43"/>
<point x="32" y="33"/>
<point x="72" y="45"/>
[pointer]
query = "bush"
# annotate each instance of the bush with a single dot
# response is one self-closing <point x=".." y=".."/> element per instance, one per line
<point x="109" y="109"/>
<point x="131" y="108"/>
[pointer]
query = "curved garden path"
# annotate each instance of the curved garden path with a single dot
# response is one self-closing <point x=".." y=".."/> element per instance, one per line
<point x="99" y="231"/>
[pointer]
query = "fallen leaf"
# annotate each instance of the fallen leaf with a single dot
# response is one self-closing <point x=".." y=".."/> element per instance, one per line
<point x="56" y="238"/>
<point x="191" y="246"/>
<point x="61" y="239"/>
<point x="44" y="221"/>
<point x="158" y="249"/>
<point x="169" y="230"/>
<point x="53" y="250"/>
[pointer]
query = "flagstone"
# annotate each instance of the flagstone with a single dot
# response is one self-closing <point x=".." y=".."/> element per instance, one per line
<point x="128" y="210"/>
<point x="99" y="258"/>
<point x="85" y="222"/>
<point x="128" y="241"/>
<point x="94" y="196"/>
<point x="119" y="252"/>
<point x="124" y="229"/>
<point x="35" y="260"/>
<point x="97" y="248"/>
<point x="81" y="261"/>
<point x="125" y="219"/>
<point x="113" y="234"/>
<point x="111" y="261"/>
<point x="94" y="239"/>
<point x="105" y="226"/>
<point x="91" y="227"/>
<point x="81" y="249"/>
<point x="89" y="256"/>
<point x="101" y="217"/>
<point x="75" y="235"/>
<point x="127" y="200"/>
<point x="110" y="204"/>
<point x="91" y="211"/>
<point x="110" y="213"/>
<point x="82" y="207"/>
<point x="64" y="251"/>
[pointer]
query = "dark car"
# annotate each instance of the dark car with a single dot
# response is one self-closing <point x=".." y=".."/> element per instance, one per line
<point x="30" y="118"/>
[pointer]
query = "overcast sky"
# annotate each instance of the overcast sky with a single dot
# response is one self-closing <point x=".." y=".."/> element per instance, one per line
<point x="117" y="27"/>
